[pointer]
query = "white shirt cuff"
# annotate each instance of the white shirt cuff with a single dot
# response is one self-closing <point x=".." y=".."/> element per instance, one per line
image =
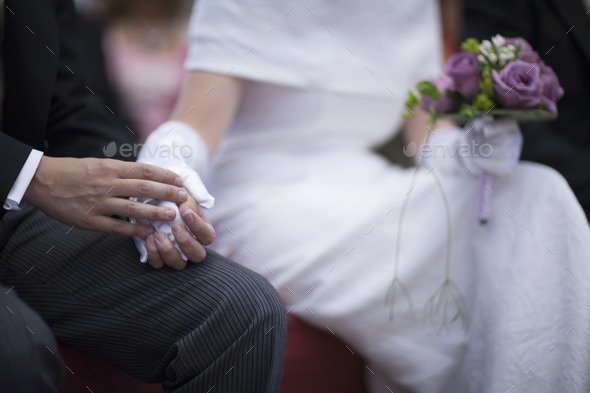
<point x="23" y="180"/>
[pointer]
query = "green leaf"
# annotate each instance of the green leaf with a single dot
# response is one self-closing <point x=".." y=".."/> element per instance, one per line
<point x="466" y="111"/>
<point x="482" y="102"/>
<point x="470" y="45"/>
<point x="428" y="89"/>
<point x="487" y="82"/>
<point x="411" y="102"/>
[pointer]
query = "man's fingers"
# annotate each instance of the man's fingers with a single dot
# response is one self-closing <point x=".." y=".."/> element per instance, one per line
<point x="120" y="227"/>
<point x="135" y="170"/>
<point x="169" y="253"/>
<point x="154" y="258"/>
<point x="149" y="189"/>
<point x="188" y="244"/>
<point x="132" y="209"/>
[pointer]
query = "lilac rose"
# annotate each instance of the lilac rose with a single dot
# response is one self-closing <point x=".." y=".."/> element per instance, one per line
<point x="518" y="85"/>
<point x="551" y="89"/>
<point x="526" y="50"/>
<point x="463" y="68"/>
<point x="444" y="103"/>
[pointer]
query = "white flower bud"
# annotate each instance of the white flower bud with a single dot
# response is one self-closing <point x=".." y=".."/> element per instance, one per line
<point x="498" y="41"/>
<point x="485" y="47"/>
<point x="504" y="57"/>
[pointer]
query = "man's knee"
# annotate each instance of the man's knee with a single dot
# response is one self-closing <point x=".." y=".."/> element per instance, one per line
<point x="241" y="306"/>
<point x="257" y="298"/>
<point x="28" y="351"/>
<point x="246" y="330"/>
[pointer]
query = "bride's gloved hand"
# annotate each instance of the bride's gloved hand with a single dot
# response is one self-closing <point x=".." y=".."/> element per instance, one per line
<point x="177" y="147"/>
<point x="483" y="145"/>
<point x="495" y="145"/>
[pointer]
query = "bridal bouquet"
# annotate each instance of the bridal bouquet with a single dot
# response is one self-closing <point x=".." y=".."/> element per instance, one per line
<point x="491" y="84"/>
<point x="501" y="77"/>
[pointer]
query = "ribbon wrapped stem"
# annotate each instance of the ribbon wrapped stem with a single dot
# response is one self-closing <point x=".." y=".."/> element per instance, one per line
<point x="485" y="197"/>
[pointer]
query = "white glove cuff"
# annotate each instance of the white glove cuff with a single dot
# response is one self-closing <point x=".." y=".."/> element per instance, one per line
<point x="175" y="141"/>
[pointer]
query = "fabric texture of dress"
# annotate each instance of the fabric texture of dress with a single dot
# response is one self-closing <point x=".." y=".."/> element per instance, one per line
<point x="391" y="260"/>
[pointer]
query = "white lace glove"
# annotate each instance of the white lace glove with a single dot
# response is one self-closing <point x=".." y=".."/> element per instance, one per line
<point x="483" y="145"/>
<point x="179" y="148"/>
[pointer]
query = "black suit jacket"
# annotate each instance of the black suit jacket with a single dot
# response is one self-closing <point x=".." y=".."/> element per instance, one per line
<point x="48" y="104"/>
<point x="560" y="31"/>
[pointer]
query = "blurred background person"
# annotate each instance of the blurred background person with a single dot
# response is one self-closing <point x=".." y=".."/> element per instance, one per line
<point x="559" y="30"/>
<point x="144" y="46"/>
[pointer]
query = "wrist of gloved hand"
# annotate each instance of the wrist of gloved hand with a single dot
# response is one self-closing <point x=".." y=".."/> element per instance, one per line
<point x="179" y="148"/>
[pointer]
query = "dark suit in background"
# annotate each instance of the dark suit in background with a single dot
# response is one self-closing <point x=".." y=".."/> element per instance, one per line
<point x="559" y="30"/>
<point x="213" y="324"/>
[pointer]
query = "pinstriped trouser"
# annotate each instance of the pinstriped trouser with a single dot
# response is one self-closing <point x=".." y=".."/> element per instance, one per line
<point x="213" y="327"/>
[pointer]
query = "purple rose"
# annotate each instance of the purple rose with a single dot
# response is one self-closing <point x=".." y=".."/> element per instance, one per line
<point x="551" y="89"/>
<point x="518" y="85"/>
<point x="463" y="68"/>
<point x="444" y="103"/>
<point x="526" y="50"/>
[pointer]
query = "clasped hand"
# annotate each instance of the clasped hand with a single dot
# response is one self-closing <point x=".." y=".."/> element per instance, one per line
<point x="178" y="240"/>
<point x="87" y="192"/>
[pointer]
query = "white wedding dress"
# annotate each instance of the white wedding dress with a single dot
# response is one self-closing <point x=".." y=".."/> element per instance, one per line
<point x="434" y="301"/>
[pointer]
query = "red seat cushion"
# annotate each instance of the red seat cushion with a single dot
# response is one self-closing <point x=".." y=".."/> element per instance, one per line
<point x="316" y="362"/>
<point x="100" y="377"/>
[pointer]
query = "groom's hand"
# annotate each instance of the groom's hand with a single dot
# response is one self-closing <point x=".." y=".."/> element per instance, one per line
<point x="191" y="235"/>
<point x="86" y="192"/>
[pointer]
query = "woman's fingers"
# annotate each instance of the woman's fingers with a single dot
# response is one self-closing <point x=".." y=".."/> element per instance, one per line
<point x="194" y="251"/>
<point x="168" y="252"/>
<point x="154" y="258"/>
<point x="197" y="222"/>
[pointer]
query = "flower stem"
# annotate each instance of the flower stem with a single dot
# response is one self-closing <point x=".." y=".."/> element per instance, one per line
<point x="449" y="227"/>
